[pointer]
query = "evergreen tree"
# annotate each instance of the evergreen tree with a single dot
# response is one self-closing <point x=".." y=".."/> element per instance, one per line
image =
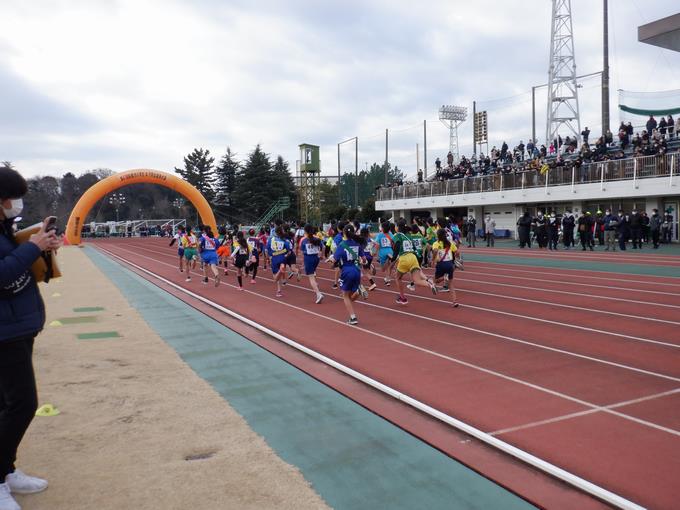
<point x="284" y="186"/>
<point x="225" y="184"/>
<point x="199" y="171"/>
<point x="254" y="193"/>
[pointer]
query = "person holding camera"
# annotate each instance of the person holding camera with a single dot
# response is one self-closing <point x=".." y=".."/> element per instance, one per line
<point x="22" y="315"/>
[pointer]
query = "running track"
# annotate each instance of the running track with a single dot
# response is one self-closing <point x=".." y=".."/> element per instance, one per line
<point x="579" y="368"/>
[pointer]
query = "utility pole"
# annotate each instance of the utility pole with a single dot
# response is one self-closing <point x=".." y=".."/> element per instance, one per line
<point x="425" y="147"/>
<point x="387" y="141"/>
<point x="356" y="172"/>
<point x="605" y="70"/>
<point x="339" y="187"/>
<point x="533" y="114"/>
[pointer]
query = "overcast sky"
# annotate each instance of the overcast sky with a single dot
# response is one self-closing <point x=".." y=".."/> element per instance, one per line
<point x="135" y="83"/>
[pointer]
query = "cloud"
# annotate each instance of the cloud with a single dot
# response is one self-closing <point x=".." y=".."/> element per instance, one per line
<point x="127" y="83"/>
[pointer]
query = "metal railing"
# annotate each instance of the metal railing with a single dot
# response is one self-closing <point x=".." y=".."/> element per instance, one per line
<point x="633" y="169"/>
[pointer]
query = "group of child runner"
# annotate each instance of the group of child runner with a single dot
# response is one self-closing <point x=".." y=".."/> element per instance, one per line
<point x="354" y="254"/>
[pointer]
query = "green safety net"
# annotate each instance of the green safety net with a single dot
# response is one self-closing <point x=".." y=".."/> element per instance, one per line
<point x="644" y="111"/>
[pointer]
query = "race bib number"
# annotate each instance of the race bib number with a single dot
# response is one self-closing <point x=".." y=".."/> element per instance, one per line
<point x="407" y="246"/>
<point x="385" y="243"/>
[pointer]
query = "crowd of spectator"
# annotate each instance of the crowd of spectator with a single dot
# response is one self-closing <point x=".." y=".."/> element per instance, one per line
<point x="563" y="152"/>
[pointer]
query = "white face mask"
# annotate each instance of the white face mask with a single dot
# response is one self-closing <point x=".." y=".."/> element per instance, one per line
<point x="15" y="210"/>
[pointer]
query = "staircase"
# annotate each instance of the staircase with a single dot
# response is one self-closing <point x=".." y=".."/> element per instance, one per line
<point x="281" y="204"/>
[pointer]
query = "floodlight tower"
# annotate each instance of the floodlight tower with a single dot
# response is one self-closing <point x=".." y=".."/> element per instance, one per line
<point x="452" y="117"/>
<point x="563" y="112"/>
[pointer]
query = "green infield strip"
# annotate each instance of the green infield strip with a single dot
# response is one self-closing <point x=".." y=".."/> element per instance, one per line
<point x="85" y="319"/>
<point x="88" y="309"/>
<point x="472" y="255"/>
<point x="98" y="336"/>
<point x="353" y="458"/>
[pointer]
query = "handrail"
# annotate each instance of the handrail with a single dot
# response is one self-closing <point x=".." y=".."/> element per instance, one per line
<point x="629" y="169"/>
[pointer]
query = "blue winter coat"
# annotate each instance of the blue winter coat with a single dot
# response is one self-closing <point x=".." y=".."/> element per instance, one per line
<point x="22" y="311"/>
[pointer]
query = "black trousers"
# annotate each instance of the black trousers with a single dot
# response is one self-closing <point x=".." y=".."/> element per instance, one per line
<point x="635" y="234"/>
<point x="18" y="398"/>
<point x="655" y="238"/>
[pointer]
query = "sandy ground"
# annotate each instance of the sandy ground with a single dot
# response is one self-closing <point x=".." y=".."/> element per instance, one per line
<point x="131" y="414"/>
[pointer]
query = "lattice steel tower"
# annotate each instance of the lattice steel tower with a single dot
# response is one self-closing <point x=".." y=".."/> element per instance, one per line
<point x="563" y="112"/>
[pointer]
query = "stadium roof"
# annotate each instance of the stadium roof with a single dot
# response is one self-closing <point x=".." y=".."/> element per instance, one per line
<point x="664" y="33"/>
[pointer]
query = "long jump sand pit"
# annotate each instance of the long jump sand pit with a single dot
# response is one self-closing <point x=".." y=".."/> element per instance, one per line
<point x="138" y="428"/>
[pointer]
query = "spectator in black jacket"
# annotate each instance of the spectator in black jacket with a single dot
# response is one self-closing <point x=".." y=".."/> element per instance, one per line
<point x="524" y="230"/>
<point x="22" y="317"/>
<point x="623" y="229"/>
<point x="585" y="134"/>
<point x="585" y="231"/>
<point x="651" y="124"/>
<point x="568" y="225"/>
<point x="541" y="230"/>
<point x="635" y="225"/>
<point x="655" y="227"/>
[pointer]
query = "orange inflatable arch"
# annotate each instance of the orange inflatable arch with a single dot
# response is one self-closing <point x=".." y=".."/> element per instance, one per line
<point x="119" y="180"/>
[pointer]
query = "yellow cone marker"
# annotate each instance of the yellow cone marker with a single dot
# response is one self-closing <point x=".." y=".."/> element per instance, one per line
<point x="55" y="323"/>
<point x="47" y="410"/>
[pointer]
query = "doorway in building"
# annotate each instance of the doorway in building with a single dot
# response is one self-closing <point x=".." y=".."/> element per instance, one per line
<point x="671" y="207"/>
<point x="456" y="213"/>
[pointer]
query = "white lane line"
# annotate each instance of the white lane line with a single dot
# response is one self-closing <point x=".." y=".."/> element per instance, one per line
<point x="608" y="298"/>
<point x="560" y="305"/>
<point x="507" y="448"/>
<point x="527" y="317"/>
<point x="537" y="271"/>
<point x="562" y="282"/>
<point x="469" y="328"/>
<point x="591" y="411"/>
<point x="567" y="255"/>
<point x="568" y="353"/>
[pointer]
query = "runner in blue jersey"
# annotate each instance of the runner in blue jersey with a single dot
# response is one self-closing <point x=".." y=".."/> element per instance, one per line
<point x="277" y="248"/>
<point x="335" y="242"/>
<point x="385" y="251"/>
<point x="311" y="247"/>
<point x="349" y="256"/>
<point x="208" y="244"/>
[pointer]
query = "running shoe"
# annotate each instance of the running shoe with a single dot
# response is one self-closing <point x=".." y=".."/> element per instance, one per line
<point x="459" y="264"/>
<point x="443" y="289"/>
<point x="279" y="294"/>
<point x="363" y="292"/>
<point x="352" y="321"/>
<point x="299" y="277"/>
<point x="291" y="275"/>
<point x="240" y="288"/>
<point x="402" y="301"/>
<point x="205" y="280"/>
<point x="217" y="280"/>
<point x="373" y="271"/>
<point x="252" y="281"/>
<point x="411" y="286"/>
<point x="455" y="305"/>
<point x="373" y="286"/>
<point x="188" y="279"/>
<point x="335" y="286"/>
<point x="319" y="298"/>
<point x="433" y="288"/>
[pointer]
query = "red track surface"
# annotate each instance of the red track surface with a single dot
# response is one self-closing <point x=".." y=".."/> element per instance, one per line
<point x="584" y="374"/>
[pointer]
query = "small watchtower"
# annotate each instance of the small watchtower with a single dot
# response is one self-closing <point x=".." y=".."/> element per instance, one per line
<point x="310" y="180"/>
